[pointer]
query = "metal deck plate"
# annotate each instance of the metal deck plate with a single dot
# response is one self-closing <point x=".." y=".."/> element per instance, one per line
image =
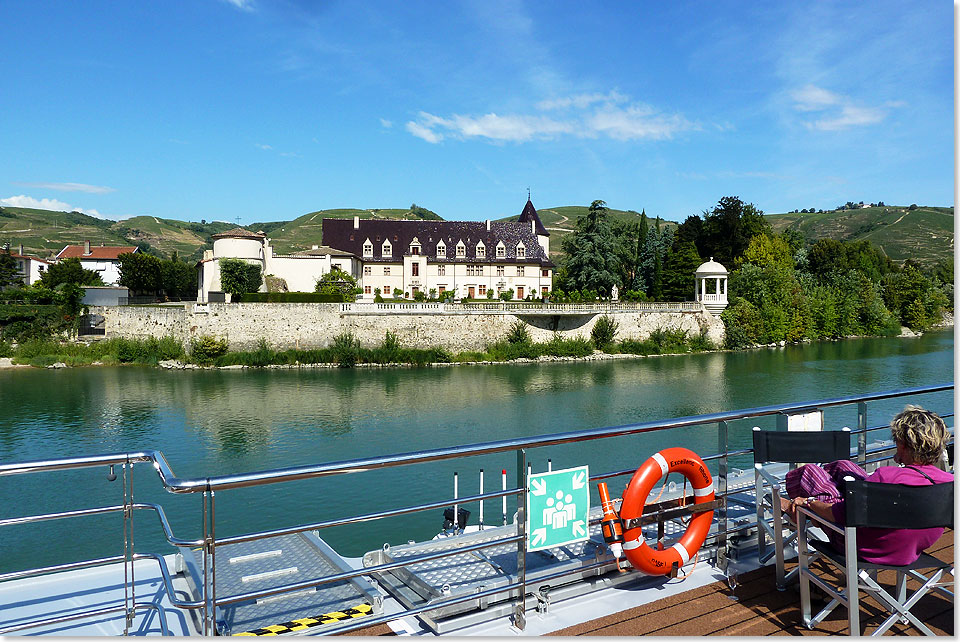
<point x="275" y="562"/>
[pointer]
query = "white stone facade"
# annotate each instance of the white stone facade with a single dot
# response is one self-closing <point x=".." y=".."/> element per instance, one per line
<point x="300" y="271"/>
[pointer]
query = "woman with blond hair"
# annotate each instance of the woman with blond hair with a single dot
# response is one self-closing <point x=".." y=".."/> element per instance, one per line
<point x="920" y="437"/>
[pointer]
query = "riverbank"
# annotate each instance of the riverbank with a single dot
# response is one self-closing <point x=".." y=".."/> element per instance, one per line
<point x="166" y="355"/>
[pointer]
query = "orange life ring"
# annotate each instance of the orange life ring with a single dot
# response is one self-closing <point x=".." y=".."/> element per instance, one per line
<point x="670" y="460"/>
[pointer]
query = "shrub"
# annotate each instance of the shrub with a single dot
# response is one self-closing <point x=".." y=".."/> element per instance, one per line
<point x="506" y="295"/>
<point x="604" y="331"/>
<point x="669" y="340"/>
<point x="701" y="342"/>
<point x="6" y="350"/>
<point x="389" y="351"/>
<point x="345" y="350"/>
<point x="206" y="348"/>
<point x="518" y="333"/>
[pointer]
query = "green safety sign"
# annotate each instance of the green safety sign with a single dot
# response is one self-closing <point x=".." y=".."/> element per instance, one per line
<point x="558" y="504"/>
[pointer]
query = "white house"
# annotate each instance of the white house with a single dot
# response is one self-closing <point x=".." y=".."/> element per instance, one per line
<point x="101" y="259"/>
<point x="300" y="270"/>
<point x="31" y="268"/>
<point x="470" y="258"/>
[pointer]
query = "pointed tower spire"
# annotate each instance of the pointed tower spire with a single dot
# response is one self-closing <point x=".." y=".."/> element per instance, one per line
<point x="529" y="213"/>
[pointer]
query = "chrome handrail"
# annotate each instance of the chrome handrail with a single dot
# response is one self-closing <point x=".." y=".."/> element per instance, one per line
<point x="208" y="486"/>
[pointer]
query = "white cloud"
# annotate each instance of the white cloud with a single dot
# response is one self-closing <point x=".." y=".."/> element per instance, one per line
<point x="582" y="101"/>
<point x="608" y="115"/>
<point x="638" y="121"/>
<point x="836" y="112"/>
<point x="813" y="98"/>
<point x="244" y="5"/>
<point x="47" y="204"/>
<point x="70" y="187"/>
<point x="849" y="116"/>
<point x="262" y="146"/>
<point x="424" y="132"/>
<point x="386" y="124"/>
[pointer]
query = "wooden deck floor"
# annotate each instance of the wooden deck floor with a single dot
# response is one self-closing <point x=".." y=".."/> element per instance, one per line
<point x="760" y="610"/>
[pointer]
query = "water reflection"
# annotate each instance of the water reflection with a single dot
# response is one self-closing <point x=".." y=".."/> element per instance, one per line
<point x="219" y="422"/>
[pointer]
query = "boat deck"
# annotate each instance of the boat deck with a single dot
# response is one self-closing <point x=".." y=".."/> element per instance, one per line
<point x="705" y="608"/>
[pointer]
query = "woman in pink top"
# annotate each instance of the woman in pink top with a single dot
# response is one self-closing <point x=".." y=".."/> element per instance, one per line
<point x="920" y="437"/>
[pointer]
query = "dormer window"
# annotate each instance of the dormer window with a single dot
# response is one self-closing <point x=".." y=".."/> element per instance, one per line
<point x="521" y="251"/>
<point x="415" y="246"/>
<point x="367" y="248"/>
<point x="481" y="251"/>
<point x="441" y="250"/>
<point x="387" y="250"/>
<point x="461" y="250"/>
<point x="501" y="250"/>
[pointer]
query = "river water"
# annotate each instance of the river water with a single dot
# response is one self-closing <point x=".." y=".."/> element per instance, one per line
<point x="214" y="422"/>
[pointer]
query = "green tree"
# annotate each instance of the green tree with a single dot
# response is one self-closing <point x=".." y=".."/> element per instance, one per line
<point x="591" y="251"/>
<point x="679" y="268"/>
<point x="69" y="271"/>
<point x="9" y="274"/>
<point x="764" y="250"/>
<point x="179" y="279"/>
<point x="728" y="228"/>
<point x="140" y="273"/>
<point x="239" y="277"/>
<point x="336" y="281"/>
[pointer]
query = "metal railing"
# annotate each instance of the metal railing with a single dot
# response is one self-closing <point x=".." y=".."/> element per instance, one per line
<point x="521" y="447"/>
<point x="517" y="307"/>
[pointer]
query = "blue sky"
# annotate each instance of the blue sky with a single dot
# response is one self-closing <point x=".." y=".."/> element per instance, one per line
<point x="269" y="109"/>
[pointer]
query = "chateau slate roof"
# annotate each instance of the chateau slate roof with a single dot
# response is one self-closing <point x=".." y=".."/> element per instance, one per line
<point x="97" y="252"/>
<point x="341" y="234"/>
<point x="528" y="214"/>
<point x="239" y="233"/>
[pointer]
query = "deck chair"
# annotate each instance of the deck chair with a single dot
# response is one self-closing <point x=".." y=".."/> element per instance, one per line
<point x="771" y="446"/>
<point x="878" y="505"/>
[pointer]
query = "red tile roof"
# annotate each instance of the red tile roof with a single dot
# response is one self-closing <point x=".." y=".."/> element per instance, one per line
<point x="96" y="252"/>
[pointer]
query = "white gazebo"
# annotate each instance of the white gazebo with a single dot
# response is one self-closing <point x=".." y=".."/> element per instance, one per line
<point x="711" y="286"/>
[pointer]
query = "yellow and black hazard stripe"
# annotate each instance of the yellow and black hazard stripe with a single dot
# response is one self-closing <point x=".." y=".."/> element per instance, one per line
<point x="359" y="610"/>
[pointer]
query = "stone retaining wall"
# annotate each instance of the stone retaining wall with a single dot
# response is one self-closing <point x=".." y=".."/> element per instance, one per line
<point x="308" y="325"/>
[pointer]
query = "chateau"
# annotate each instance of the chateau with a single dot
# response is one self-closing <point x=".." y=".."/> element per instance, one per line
<point x="471" y="259"/>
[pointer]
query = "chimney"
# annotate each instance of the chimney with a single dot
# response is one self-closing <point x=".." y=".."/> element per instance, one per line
<point x="488" y="225"/>
<point x="533" y="226"/>
<point x="315" y="247"/>
<point x="356" y="222"/>
<point x="21" y="249"/>
<point x="86" y="247"/>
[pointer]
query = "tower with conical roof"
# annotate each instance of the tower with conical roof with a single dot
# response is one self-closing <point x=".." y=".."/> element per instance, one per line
<point x="530" y="217"/>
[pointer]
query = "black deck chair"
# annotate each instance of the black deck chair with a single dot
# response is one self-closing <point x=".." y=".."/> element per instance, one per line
<point x="801" y="447"/>
<point x="878" y="505"/>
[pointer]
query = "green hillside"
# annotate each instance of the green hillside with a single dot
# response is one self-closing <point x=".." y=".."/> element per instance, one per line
<point x="44" y="233"/>
<point x="924" y="234"/>
<point x="304" y="232"/>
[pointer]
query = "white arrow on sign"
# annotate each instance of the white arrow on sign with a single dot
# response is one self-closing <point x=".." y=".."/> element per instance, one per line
<point x="539" y="536"/>
<point x="578" y="528"/>
<point x="539" y="486"/>
<point x="579" y="480"/>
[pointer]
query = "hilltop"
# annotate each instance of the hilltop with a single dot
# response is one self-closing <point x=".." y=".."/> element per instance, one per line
<point x="922" y="233"/>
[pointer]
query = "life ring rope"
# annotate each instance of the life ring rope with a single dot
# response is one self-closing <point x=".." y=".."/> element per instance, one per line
<point x="657" y="467"/>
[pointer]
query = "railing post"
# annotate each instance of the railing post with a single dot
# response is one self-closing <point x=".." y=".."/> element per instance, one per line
<point x="861" y="432"/>
<point x="129" y="583"/>
<point x="209" y="564"/>
<point x="519" y="617"/>
<point x="723" y="448"/>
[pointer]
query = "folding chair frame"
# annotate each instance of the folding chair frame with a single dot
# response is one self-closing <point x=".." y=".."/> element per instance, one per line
<point x="857" y="579"/>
